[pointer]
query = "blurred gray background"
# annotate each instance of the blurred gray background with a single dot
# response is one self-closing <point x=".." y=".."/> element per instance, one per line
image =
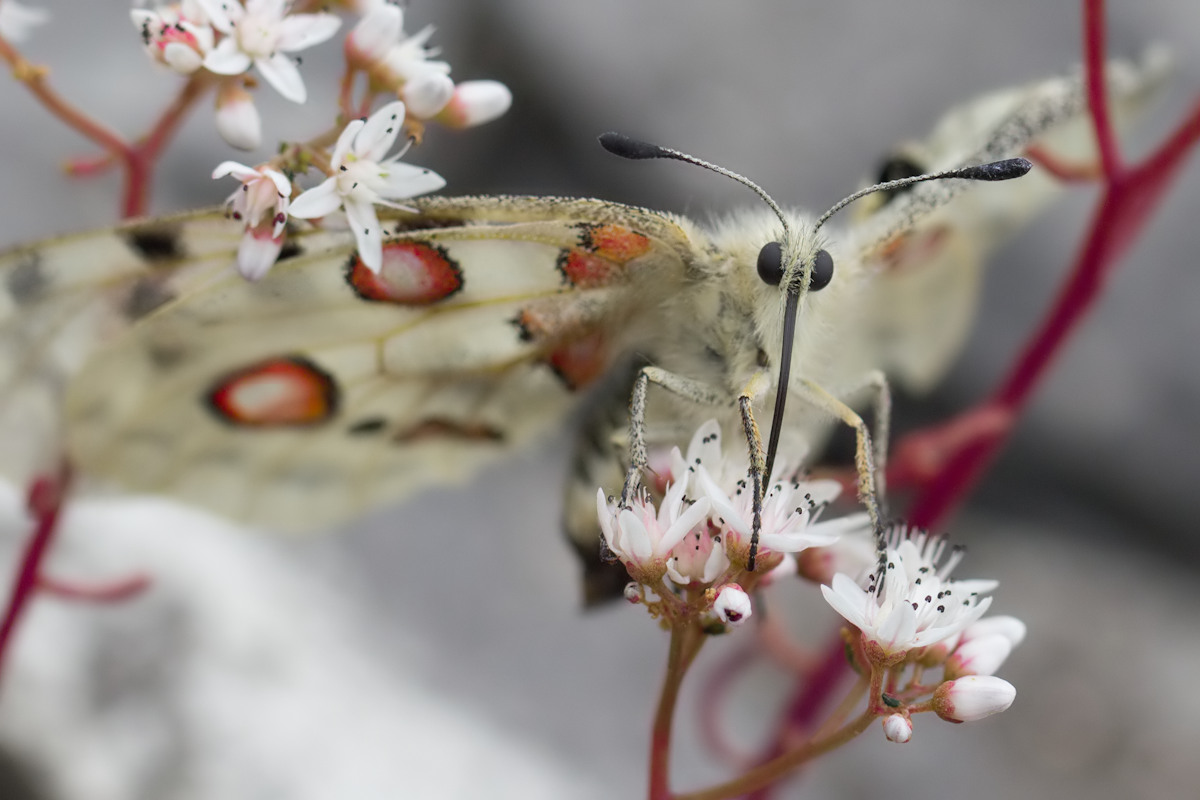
<point x="394" y="662"/>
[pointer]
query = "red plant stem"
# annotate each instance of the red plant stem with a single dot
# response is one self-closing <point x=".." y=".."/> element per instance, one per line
<point x="811" y="696"/>
<point x="113" y="592"/>
<point x="46" y="497"/>
<point x="1128" y="200"/>
<point x="686" y="640"/>
<point x="1094" y="55"/>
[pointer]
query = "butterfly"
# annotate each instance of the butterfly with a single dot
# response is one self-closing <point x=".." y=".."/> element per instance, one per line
<point x="326" y="389"/>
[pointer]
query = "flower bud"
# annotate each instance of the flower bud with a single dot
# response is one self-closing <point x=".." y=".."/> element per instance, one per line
<point x="633" y="592"/>
<point x="982" y="656"/>
<point x="732" y="604"/>
<point x="973" y="697"/>
<point x="237" y="118"/>
<point x="1009" y="627"/>
<point x="897" y="728"/>
<point x="476" y="102"/>
<point x="427" y="93"/>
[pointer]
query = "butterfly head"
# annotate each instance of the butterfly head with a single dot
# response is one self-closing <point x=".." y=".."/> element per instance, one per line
<point x="795" y="260"/>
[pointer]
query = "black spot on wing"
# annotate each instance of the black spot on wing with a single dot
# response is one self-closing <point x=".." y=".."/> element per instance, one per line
<point x="426" y="224"/>
<point x="367" y="426"/>
<point x="155" y="242"/>
<point x="291" y="248"/>
<point x="146" y="295"/>
<point x="27" y="281"/>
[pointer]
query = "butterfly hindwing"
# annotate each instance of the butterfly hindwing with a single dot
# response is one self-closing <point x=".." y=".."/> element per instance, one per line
<point x="325" y="389"/>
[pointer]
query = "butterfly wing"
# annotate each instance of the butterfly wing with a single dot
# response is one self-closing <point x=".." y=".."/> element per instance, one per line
<point x="926" y="253"/>
<point x="325" y="389"/>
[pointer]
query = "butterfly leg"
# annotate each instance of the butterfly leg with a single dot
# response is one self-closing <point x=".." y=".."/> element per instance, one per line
<point x="696" y="391"/>
<point x="864" y="452"/>
<point x="881" y="402"/>
<point x="702" y="394"/>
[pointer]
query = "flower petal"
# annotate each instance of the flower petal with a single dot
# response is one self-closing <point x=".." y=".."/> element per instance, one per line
<point x="281" y="72"/>
<point x="687" y="520"/>
<point x="227" y="59"/>
<point x="368" y="234"/>
<point x="721" y="505"/>
<point x="635" y="539"/>
<point x="301" y="31"/>
<point x="405" y="180"/>
<point x="345" y="141"/>
<point x="222" y="14"/>
<point x="380" y="131"/>
<point x="847" y="599"/>
<point x="317" y="201"/>
<point x="282" y="184"/>
<point x="237" y="170"/>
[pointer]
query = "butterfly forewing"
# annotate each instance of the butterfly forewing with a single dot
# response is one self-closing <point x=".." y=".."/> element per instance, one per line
<point x="326" y="389"/>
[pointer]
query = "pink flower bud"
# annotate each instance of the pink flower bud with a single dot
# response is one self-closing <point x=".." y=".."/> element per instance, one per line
<point x="897" y="728"/>
<point x="633" y="592"/>
<point x="973" y="697"/>
<point x="476" y="102"/>
<point x="732" y="604"/>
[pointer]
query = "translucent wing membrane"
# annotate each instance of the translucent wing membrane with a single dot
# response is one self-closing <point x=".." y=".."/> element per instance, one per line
<point x="325" y="389"/>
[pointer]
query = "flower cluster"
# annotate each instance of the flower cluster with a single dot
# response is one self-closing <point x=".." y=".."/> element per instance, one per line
<point x="404" y="65"/>
<point x="363" y="176"/>
<point x="907" y="612"/>
<point x="228" y="39"/>
<point x="699" y="536"/>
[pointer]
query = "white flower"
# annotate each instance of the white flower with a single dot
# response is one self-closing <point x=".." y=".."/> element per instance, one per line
<point x="18" y="21"/>
<point x="732" y="605"/>
<point x="260" y="33"/>
<point x="643" y="539"/>
<point x="362" y="178"/>
<point x="178" y="36"/>
<point x="897" y="728"/>
<point x="261" y="202"/>
<point x="915" y="604"/>
<point x="790" y="513"/>
<point x="973" y="697"/>
<point x="238" y="121"/>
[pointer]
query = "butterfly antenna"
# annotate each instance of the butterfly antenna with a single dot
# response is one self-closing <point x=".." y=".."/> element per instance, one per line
<point x="1003" y="170"/>
<point x="635" y="149"/>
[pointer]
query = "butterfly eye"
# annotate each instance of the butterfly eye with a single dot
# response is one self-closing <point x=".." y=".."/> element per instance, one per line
<point x="770" y="263"/>
<point x="822" y="271"/>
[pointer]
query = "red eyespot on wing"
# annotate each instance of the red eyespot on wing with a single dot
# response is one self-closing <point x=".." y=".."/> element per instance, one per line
<point x="279" y="392"/>
<point x="585" y="270"/>
<point x="615" y="242"/>
<point x="578" y="362"/>
<point x="912" y="250"/>
<point x="412" y="274"/>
